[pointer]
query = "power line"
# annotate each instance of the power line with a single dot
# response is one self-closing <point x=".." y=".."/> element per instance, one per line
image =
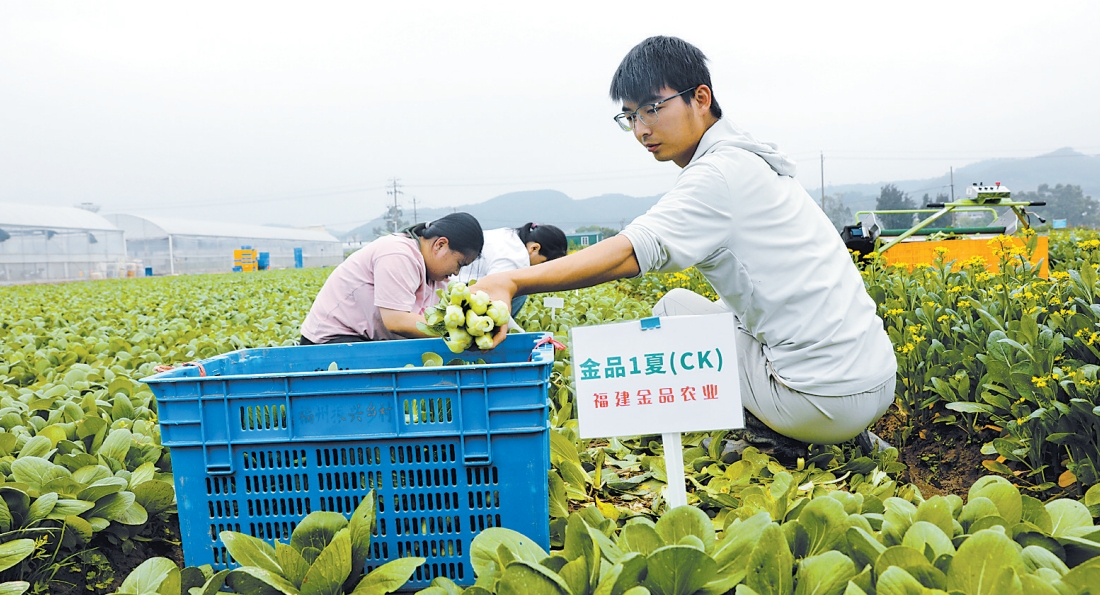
<point x="879" y="157"/>
<point x="309" y="194"/>
<point x="579" y="177"/>
<point x="950" y="158"/>
<point x="985" y="154"/>
<point x="603" y="173"/>
<point x="264" y="199"/>
<point x="940" y="187"/>
<point x="531" y="181"/>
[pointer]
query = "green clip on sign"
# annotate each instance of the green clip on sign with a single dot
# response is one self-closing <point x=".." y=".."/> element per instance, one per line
<point x="658" y="376"/>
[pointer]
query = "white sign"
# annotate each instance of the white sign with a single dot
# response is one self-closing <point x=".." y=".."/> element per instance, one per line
<point x="555" y="304"/>
<point x="679" y="377"/>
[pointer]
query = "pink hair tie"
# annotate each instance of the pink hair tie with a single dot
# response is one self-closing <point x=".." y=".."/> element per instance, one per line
<point x="534" y="225"/>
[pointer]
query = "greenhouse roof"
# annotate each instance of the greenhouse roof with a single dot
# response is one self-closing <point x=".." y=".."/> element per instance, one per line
<point x="139" y="227"/>
<point x="39" y="216"/>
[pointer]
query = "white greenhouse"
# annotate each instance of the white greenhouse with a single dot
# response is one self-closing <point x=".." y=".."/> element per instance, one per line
<point x="46" y="244"/>
<point x="175" y="246"/>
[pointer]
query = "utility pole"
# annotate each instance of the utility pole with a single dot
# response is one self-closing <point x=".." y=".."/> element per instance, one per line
<point x="395" y="192"/>
<point x="823" y="180"/>
<point x="952" y="183"/>
<point x="415" y="218"/>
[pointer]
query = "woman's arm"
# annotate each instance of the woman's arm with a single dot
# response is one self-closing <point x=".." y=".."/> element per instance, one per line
<point x="398" y="276"/>
<point x="402" y="323"/>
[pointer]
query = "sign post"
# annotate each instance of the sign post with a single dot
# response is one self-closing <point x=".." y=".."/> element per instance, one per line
<point x="658" y="376"/>
<point x="675" y="493"/>
<point x="555" y="304"/>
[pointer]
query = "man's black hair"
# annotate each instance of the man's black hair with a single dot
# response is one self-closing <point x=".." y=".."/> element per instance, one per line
<point x="659" y="62"/>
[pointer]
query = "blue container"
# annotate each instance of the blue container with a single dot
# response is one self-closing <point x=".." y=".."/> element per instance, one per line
<point x="297" y="258"/>
<point x="260" y="438"/>
<point x="264" y="261"/>
<point x="148" y="271"/>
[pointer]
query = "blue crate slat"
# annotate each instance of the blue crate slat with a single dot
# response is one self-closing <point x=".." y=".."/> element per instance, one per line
<point x="259" y="438"/>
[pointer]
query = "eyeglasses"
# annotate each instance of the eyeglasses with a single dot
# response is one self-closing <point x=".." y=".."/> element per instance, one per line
<point x="646" y="113"/>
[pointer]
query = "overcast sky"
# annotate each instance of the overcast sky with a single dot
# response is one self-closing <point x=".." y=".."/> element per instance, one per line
<point x="299" y="113"/>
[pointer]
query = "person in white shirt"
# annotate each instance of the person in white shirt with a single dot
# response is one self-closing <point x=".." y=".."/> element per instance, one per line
<point x="816" y="364"/>
<point x="508" y="249"/>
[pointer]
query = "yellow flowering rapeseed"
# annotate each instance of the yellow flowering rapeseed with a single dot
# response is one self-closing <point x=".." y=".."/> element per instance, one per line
<point x="1092" y="338"/>
<point x="975" y="262"/>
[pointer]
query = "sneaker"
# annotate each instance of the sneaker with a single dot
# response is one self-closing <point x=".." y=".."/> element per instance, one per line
<point x="732" y="444"/>
<point x="768" y="441"/>
<point x="757" y="434"/>
<point x="869" y="442"/>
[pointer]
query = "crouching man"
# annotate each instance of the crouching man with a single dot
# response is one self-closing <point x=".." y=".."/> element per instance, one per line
<point x="816" y="365"/>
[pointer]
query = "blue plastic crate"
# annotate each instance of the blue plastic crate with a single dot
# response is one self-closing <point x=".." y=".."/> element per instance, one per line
<point x="260" y="438"/>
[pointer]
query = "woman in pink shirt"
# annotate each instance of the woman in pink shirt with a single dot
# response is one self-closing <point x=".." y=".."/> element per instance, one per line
<point x="380" y="292"/>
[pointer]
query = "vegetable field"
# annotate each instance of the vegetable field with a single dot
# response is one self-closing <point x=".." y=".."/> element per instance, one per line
<point x="993" y="486"/>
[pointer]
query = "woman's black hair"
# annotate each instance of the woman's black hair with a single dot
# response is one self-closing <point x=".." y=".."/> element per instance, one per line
<point x="551" y="240"/>
<point x="462" y="231"/>
<point x="658" y="62"/>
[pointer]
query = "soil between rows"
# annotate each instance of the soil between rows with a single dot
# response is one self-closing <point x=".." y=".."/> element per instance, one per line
<point x="165" y="544"/>
<point x="940" y="460"/>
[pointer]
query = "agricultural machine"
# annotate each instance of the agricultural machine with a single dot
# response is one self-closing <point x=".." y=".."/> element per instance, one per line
<point x="918" y="244"/>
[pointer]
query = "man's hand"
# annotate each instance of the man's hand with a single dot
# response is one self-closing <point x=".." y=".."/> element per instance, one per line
<point x="499" y="287"/>
<point x="500" y="336"/>
<point x="608" y="260"/>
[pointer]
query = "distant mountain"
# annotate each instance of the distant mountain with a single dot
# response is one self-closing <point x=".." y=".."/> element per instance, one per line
<point x="540" y="206"/>
<point x="1064" y="166"/>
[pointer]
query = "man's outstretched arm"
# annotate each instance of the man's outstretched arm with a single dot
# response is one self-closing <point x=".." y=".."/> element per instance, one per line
<point x="605" y="261"/>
